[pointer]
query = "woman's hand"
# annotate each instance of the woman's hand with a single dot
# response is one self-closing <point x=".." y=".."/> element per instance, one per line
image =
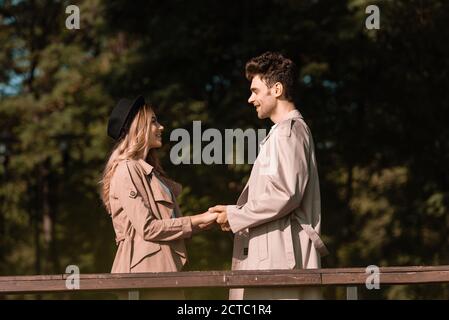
<point x="203" y="221"/>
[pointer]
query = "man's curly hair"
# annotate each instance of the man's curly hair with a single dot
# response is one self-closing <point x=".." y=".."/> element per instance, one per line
<point x="273" y="67"/>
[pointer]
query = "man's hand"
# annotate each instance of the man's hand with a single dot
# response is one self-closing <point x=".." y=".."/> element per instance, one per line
<point x="225" y="227"/>
<point x="222" y="217"/>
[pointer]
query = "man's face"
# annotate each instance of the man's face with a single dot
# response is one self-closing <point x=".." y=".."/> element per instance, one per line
<point x="262" y="98"/>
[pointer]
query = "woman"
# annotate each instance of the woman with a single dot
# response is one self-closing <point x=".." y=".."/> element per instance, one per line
<point x="141" y="199"/>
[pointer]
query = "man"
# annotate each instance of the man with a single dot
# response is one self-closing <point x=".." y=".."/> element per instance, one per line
<point x="277" y="218"/>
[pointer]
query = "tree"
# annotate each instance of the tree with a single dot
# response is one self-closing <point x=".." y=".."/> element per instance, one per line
<point x="375" y="101"/>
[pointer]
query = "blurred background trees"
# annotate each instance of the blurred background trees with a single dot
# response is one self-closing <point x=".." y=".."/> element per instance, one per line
<point x="376" y="101"/>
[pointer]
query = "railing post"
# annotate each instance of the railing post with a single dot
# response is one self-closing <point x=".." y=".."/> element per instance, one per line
<point x="351" y="293"/>
<point x="133" y="295"/>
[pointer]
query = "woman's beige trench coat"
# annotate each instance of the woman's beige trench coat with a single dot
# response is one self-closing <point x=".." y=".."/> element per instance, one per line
<point x="146" y="218"/>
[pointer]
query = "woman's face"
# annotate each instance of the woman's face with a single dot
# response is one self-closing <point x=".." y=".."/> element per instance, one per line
<point x="155" y="132"/>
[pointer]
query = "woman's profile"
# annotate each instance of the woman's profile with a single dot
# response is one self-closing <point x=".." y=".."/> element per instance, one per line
<point x="141" y="199"/>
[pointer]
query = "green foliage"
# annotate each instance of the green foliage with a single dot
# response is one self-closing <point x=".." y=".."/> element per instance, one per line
<point x="376" y="102"/>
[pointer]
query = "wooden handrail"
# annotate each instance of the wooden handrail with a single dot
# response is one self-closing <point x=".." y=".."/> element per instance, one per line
<point x="227" y="279"/>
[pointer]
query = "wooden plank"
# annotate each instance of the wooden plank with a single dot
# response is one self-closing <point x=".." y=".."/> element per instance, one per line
<point x="228" y="279"/>
<point x="387" y="269"/>
<point x="33" y="286"/>
<point x="343" y="278"/>
<point x="193" y="281"/>
<point x="388" y="278"/>
<point x="228" y="273"/>
<point x="415" y="277"/>
<point x="31" y="278"/>
<point x="171" y="280"/>
<point x="286" y="279"/>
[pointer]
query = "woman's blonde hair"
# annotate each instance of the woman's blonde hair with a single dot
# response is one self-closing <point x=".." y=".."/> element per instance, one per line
<point x="134" y="145"/>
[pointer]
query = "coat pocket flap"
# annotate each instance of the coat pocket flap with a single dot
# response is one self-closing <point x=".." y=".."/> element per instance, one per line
<point x="179" y="248"/>
<point x="142" y="249"/>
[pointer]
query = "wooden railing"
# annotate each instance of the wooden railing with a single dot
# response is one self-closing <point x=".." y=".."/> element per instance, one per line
<point x="350" y="277"/>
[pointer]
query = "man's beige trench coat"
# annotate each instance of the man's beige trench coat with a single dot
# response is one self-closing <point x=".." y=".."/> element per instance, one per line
<point x="148" y="238"/>
<point x="277" y="218"/>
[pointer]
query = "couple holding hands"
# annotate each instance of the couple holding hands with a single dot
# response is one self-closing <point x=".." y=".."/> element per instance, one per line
<point x="276" y="220"/>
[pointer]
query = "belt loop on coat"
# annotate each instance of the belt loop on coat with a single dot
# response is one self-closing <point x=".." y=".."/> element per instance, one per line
<point x="119" y="239"/>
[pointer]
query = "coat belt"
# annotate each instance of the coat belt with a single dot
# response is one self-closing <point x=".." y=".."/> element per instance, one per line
<point x="120" y="238"/>
<point x="315" y="238"/>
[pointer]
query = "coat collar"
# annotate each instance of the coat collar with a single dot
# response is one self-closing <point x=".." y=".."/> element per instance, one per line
<point x="147" y="168"/>
<point x="290" y="115"/>
<point x="160" y="194"/>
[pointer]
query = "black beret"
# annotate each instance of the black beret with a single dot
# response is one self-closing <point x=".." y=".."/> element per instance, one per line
<point x="122" y="116"/>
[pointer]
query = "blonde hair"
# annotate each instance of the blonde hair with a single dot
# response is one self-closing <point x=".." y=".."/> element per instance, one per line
<point x="134" y="145"/>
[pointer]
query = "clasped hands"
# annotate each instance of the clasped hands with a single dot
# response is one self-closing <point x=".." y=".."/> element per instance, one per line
<point x="216" y="214"/>
<point x="222" y="217"/>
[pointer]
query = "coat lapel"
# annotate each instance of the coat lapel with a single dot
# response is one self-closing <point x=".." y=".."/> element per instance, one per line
<point x="159" y="193"/>
<point x="266" y="138"/>
<point x="243" y="198"/>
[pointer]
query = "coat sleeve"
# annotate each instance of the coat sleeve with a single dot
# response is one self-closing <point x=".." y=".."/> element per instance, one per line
<point x="141" y="217"/>
<point x="285" y="181"/>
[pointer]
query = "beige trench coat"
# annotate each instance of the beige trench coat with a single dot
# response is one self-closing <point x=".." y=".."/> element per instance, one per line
<point x="149" y="239"/>
<point x="277" y="218"/>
